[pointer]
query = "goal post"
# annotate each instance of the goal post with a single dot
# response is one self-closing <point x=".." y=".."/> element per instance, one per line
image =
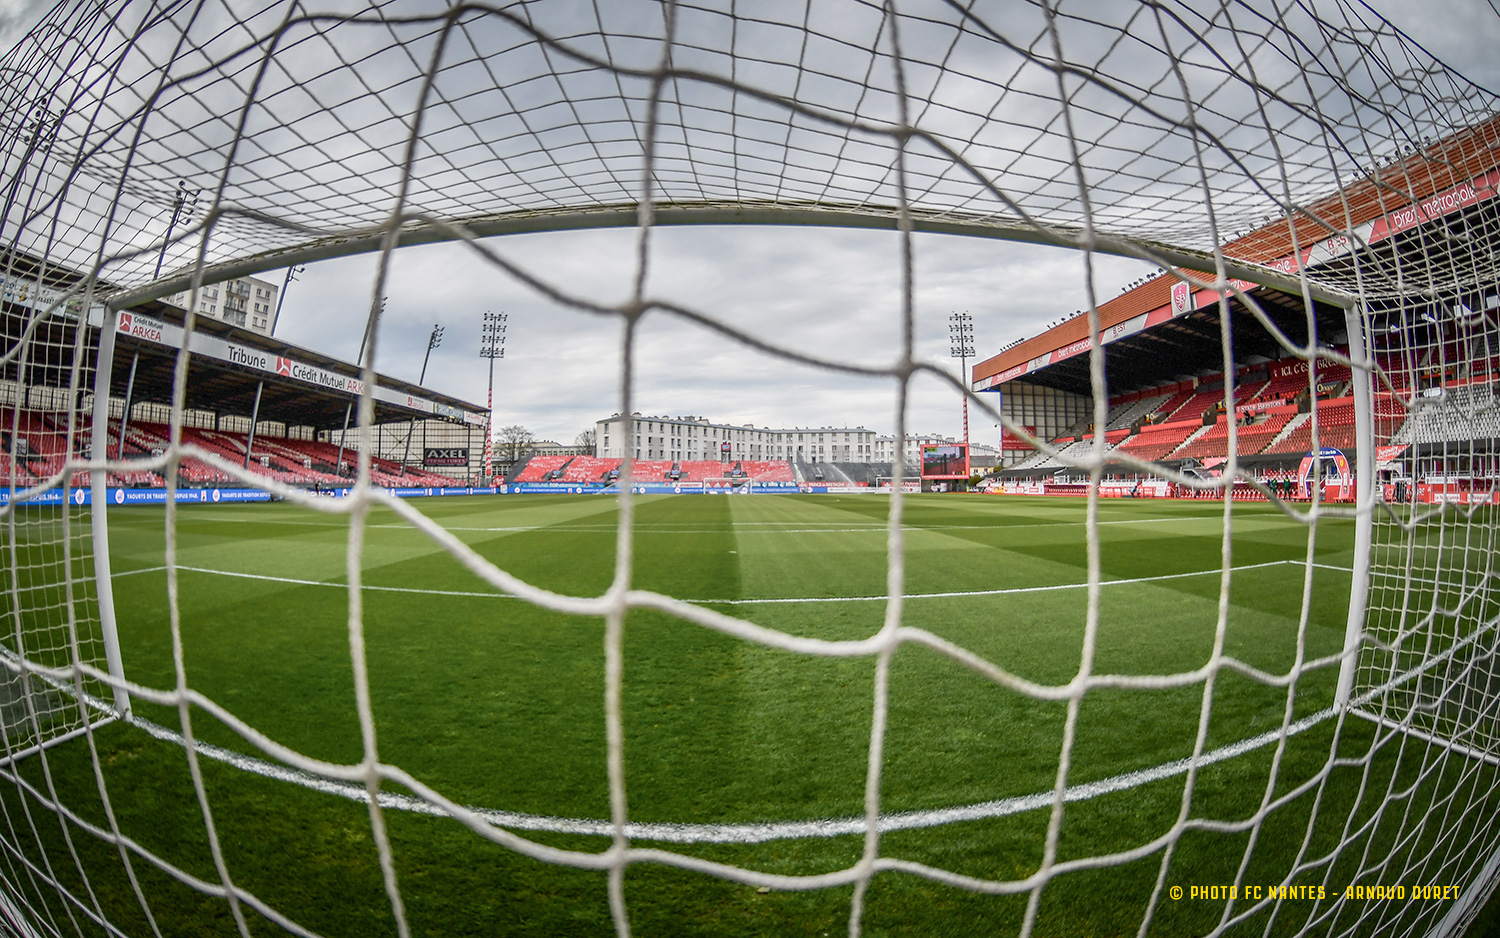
<point x="99" y="506"/>
<point x="1319" y="199"/>
<point x="1365" y="489"/>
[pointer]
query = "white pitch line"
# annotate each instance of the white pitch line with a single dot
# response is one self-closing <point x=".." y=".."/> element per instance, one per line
<point x="748" y="833"/>
<point x="793" y="600"/>
<point x="833" y="527"/>
<point x="1009" y="591"/>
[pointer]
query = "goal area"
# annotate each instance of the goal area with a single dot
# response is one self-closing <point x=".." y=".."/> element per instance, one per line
<point x="1319" y="198"/>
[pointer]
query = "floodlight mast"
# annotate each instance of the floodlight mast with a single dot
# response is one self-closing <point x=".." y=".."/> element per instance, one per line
<point x="349" y="409"/>
<point x="433" y="341"/>
<point x="961" y="342"/>
<point x="291" y="274"/>
<point x="182" y="211"/>
<point x="492" y="346"/>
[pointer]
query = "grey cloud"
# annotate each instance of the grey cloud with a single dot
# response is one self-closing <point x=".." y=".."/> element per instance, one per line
<point x="833" y="293"/>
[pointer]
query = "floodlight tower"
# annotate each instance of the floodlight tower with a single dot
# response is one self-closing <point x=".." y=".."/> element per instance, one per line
<point x="433" y="341"/>
<point x="491" y="346"/>
<point x="961" y="342"/>
<point x="40" y="125"/>
<point x="349" y="408"/>
<point x="182" y="211"/>
<point x="291" y="274"/>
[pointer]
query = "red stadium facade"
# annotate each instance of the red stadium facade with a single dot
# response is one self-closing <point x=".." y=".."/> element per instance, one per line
<point x="1172" y="401"/>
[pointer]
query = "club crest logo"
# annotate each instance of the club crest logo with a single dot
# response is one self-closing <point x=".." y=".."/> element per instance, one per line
<point x="1182" y="297"/>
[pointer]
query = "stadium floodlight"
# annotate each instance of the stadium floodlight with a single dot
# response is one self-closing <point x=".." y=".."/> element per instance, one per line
<point x="492" y="331"/>
<point x="183" y="204"/>
<point x="359" y="358"/>
<point x="292" y="271"/>
<point x="961" y="341"/>
<point x="434" y="339"/>
<point x="1327" y="731"/>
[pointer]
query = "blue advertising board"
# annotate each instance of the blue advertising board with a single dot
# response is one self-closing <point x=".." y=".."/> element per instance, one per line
<point x="117" y="496"/>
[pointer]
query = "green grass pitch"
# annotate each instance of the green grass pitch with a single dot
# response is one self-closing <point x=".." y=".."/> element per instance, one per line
<point x="500" y="705"/>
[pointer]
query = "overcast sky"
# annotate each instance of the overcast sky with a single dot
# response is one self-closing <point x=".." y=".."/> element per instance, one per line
<point x="828" y="292"/>
<point x="821" y="290"/>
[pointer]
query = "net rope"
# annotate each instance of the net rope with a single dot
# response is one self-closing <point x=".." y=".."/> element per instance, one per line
<point x="1214" y="140"/>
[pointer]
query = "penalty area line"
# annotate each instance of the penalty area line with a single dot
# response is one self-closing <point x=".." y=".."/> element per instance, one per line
<point x="746" y="833"/>
<point x="783" y="600"/>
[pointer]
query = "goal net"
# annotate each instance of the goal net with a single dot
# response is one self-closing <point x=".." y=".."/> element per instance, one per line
<point x="1317" y="193"/>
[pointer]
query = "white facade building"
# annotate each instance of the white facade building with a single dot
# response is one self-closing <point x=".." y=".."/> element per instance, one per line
<point x="695" y="438"/>
<point x="885" y="446"/>
<point x="245" y="302"/>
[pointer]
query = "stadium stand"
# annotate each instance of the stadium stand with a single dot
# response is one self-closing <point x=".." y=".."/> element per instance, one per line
<point x="859" y="473"/>
<point x="1254" y="438"/>
<point x="1459" y="413"/>
<point x="1158" y="441"/>
<point x="1212" y="442"/>
<point x="540" y="468"/>
<point x="649" y="470"/>
<point x="1335" y="429"/>
<point x="696" y="470"/>
<point x="1171" y="404"/>
<point x="763" y="470"/>
<point x="1397" y="373"/>
<point x="1073" y="450"/>
<point x="809" y="472"/>
<point x="287" y="460"/>
<point x="517" y="467"/>
<point x="41" y="448"/>
<point x="589" y="469"/>
<point x="834" y="474"/>
<point x="285" y="457"/>
<point x="1284" y="387"/>
<point x="1122" y="416"/>
<point x="1197" y="405"/>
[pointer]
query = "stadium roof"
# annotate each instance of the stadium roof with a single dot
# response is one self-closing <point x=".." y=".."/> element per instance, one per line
<point x="301" y="387"/>
<point x="1163" y="330"/>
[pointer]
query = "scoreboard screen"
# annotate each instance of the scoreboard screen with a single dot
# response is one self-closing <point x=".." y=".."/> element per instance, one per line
<point x="950" y="461"/>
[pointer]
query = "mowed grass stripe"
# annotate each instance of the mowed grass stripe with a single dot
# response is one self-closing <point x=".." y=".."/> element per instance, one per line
<point x="827" y="685"/>
<point x="500" y="704"/>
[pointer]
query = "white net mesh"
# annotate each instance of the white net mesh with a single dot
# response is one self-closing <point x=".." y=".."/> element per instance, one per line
<point x="1202" y="137"/>
<point x="51" y="610"/>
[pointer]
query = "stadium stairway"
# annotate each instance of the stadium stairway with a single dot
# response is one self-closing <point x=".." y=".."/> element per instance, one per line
<point x="832" y="472"/>
<point x="859" y="473"/>
<point x="1191" y="439"/>
<point x="1292" y="426"/>
<point x="810" y="472"/>
<point x="1123" y="415"/>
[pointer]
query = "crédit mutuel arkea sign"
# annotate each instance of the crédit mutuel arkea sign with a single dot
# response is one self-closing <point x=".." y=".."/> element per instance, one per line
<point x="157" y="332"/>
